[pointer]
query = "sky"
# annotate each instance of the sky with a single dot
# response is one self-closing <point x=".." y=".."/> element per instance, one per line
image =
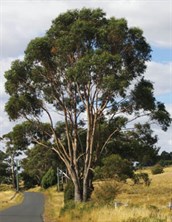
<point x="23" y="20"/>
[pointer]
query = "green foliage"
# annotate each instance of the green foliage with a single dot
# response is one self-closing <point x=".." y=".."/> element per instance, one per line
<point x="165" y="159"/>
<point x="38" y="161"/>
<point x="68" y="192"/>
<point x="161" y="115"/>
<point x="29" y="181"/>
<point x="141" y="177"/>
<point x="105" y="192"/>
<point x="157" y="169"/>
<point x="49" y="179"/>
<point x="137" y="145"/>
<point x="114" y="167"/>
<point x="165" y="163"/>
<point x="4" y="168"/>
<point x="144" y="87"/>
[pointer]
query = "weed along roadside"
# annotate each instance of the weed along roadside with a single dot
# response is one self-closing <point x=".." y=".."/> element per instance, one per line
<point x="54" y="202"/>
<point x="9" y="198"/>
<point x="134" y="203"/>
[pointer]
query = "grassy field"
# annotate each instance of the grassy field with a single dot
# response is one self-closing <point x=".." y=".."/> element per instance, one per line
<point x="8" y="197"/>
<point x="144" y="204"/>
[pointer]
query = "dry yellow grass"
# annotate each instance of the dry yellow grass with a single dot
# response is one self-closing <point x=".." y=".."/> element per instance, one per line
<point x="157" y="194"/>
<point x="107" y="214"/>
<point x="145" y="204"/>
<point x="8" y="199"/>
<point x="53" y="204"/>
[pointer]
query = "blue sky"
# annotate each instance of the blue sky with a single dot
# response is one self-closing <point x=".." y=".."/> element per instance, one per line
<point x="162" y="55"/>
<point x="23" y="20"/>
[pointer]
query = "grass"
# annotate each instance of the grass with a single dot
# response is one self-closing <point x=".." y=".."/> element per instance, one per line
<point x="53" y="204"/>
<point x="157" y="194"/>
<point x="8" y="197"/>
<point x="145" y="204"/>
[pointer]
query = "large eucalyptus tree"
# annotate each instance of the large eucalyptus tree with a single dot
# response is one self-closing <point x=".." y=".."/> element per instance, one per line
<point x="84" y="67"/>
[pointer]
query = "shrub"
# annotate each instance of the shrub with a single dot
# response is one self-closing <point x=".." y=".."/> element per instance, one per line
<point x="69" y="192"/>
<point x="105" y="192"/>
<point x="157" y="169"/>
<point x="49" y="179"/>
<point x="68" y="206"/>
<point x="29" y="181"/>
<point x="141" y="177"/>
<point x="164" y="163"/>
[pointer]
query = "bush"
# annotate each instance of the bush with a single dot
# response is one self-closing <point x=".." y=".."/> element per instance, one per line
<point x="69" y="192"/>
<point x="165" y="163"/>
<point x="141" y="177"/>
<point x="105" y="192"/>
<point x="49" y="179"/>
<point x="157" y="169"/>
<point x="29" y="181"/>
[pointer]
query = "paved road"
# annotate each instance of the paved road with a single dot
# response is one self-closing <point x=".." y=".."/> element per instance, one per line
<point x="30" y="210"/>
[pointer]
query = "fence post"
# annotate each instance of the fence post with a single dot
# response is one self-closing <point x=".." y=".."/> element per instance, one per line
<point x="170" y="204"/>
<point x="17" y="176"/>
<point x="58" y="180"/>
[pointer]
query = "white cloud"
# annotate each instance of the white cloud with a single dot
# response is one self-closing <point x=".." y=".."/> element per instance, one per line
<point x="154" y="17"/>
<point x="165" y="138"/>
<point x="24" y="20"/>
<point x="5" y="124"/>
<point x="5" y="65"/>
<point x="161" y="75"/>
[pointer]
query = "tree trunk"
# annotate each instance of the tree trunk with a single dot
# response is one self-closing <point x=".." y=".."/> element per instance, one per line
<point x="77" y="192"/>
<point x="13" y="172"/>
<point x="85" y="191"/>
<point x="77" y="184"/>
<point x="88" y="186"/>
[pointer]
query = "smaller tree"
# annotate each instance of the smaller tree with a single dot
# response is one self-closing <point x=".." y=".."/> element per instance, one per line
<point x="38" y="162"/>
<point x="137" y="145"/>
<point x="166" y="156"/>
<point x="14" y="147"/>
<point x="114" y="167"/>
<point x="49" y="179"/>
<point x="4" y="168"/>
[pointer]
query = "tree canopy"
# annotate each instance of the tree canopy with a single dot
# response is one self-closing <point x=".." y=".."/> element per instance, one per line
<point x="87" y="67"/>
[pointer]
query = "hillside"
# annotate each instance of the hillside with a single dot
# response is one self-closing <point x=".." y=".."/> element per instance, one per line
<point x="141" y="204"/>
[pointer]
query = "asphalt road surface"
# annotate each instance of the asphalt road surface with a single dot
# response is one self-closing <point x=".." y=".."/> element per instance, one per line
<point x="30" y="210"/>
